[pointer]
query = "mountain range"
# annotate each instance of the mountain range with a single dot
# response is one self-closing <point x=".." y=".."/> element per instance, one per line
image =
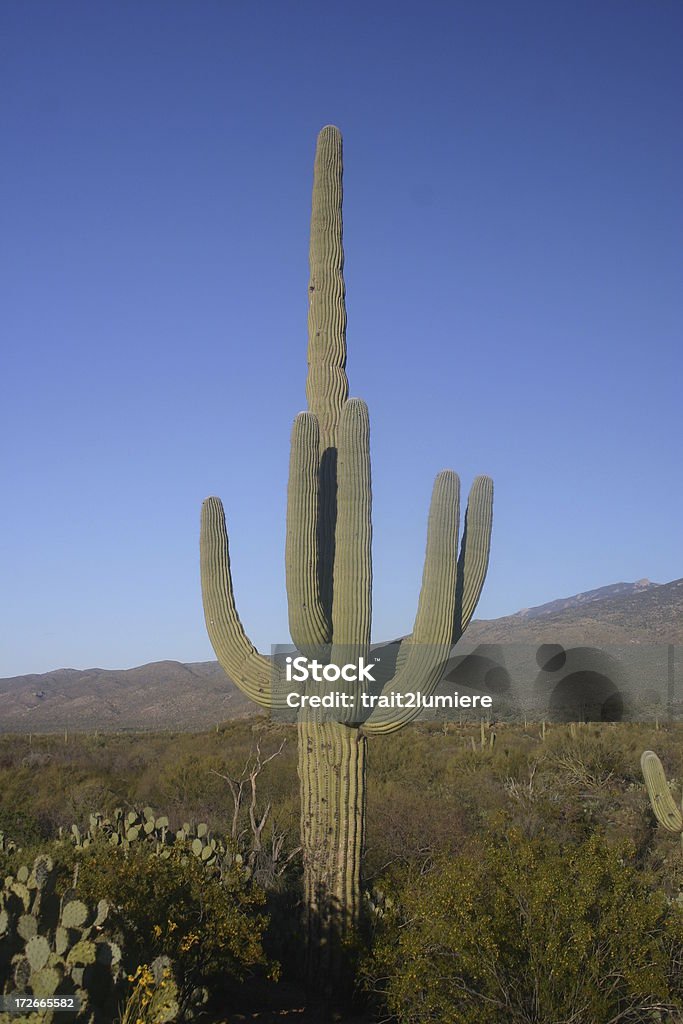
<point x="623" y="613"/>
<point x="169" y="695"/>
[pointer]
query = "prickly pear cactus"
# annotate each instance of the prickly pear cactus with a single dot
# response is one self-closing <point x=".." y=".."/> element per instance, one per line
<point x="126" y="828"/>
<point x="329" y="586"/>
<point x="51" y="947"/>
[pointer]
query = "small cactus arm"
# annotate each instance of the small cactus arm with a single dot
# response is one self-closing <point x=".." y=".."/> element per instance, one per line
<point x="328" y="567"/>
<point x="663" y="804"/>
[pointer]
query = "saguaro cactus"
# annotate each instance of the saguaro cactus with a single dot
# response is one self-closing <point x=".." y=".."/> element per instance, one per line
<point x="329" y="584"/>
<point x="665" y="808"/>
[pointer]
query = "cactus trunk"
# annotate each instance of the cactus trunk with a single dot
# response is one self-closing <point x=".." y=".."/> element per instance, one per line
<point x="332" y="760"/>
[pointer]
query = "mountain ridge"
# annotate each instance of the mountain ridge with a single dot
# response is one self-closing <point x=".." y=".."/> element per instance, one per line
<point x="177" y="696"/>
<point x="586" y="597"/>
<point x="633" y="614"/>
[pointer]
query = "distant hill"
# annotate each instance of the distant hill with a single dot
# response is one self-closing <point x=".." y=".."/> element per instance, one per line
<point x="580" y="600"/>
<point x="623" y="613"/>
<point x="168" y="695"/>
<point x="164" y="695"/>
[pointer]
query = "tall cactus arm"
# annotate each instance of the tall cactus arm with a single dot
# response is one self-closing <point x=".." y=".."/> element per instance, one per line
<point x="437" y="595"/>
<point x="308" y="625"/>
<point x="474" y="553"/>
<point x="472" y="562"/>
<point x="327" y="386"/>
<point x="352" y="604"/>
<point x="663" y="804"/>
<point x="426" y="650"/>
<point x="241" y="661"/>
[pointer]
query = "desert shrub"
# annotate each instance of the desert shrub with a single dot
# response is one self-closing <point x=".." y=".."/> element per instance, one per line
<point x="23" y="826"/>
<point x="524" y="931"/>
<point x="188" y="784"/>
<point x="409" y="829"/>
<point x="153" y="997"/>
<point x="594" y="758"/>
<point x="211" y="928"/>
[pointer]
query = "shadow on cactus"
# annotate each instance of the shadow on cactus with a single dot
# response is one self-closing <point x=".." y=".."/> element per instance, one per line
<point x="329" y="587"/>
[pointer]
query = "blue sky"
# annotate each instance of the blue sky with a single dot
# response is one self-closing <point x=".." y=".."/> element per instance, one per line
<point x="513" y="221"/>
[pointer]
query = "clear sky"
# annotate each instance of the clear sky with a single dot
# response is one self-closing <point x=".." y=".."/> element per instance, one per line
<point x="513" y="223"/>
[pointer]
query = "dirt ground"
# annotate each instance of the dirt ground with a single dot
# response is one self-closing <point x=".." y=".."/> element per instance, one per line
<point x="287" y="1004"/>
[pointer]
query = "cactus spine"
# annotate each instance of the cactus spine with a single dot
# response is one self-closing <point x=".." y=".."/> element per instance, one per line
<point x="329" y="584"/>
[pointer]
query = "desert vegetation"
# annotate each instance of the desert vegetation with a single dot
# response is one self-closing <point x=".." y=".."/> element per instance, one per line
<point x="524" y="879"/>
<point x="479" y="874"/>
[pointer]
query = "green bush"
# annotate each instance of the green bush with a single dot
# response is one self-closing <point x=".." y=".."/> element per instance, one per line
<point x="211" y="929"/>
<point x="527" y="931"/>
